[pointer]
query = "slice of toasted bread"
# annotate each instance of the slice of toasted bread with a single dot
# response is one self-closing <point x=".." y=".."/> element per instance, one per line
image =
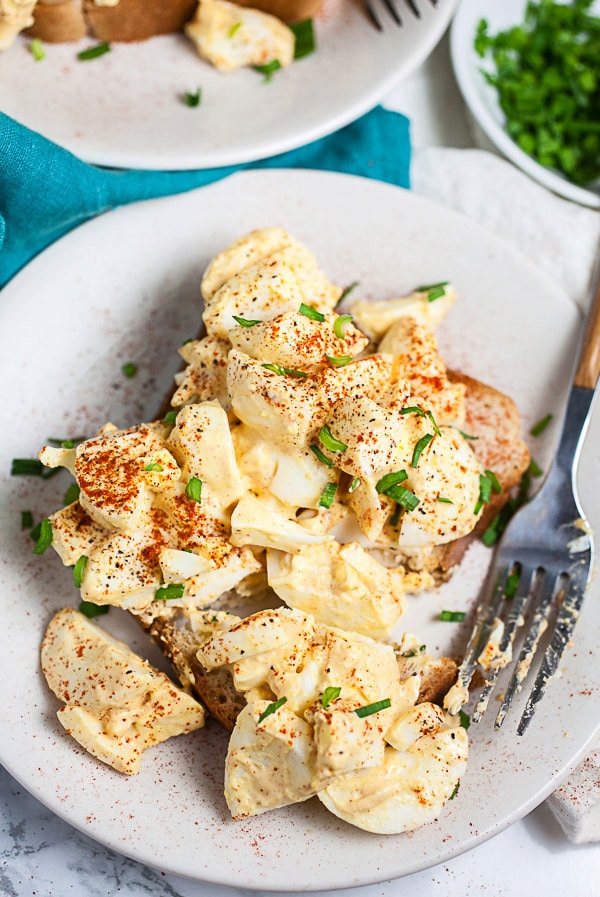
<point x="138" y="20"/>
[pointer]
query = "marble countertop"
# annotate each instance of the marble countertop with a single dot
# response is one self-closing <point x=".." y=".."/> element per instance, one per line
<point x="42" y="856"/>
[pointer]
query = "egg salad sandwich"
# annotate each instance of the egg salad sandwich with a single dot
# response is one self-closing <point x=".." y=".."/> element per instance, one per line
<point x="317" y="466"/>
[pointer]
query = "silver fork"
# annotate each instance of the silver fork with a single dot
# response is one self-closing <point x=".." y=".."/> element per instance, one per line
<point x="542" y="564"/>
<point x="391" y="7"/>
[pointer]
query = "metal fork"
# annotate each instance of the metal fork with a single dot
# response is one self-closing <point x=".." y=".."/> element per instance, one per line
<point x="390" y="5"/>
<point x="543" y="561"/>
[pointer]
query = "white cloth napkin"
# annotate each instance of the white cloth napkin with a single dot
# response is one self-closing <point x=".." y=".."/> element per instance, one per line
<point x="561" y="238"/>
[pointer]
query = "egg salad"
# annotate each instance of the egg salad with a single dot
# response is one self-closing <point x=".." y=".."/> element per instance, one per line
<point x="308" y="452"/>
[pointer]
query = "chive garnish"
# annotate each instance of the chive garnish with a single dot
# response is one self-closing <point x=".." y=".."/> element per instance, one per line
<point x="129" y="370"/>
<point x="395" y="518"/>
<point x="89" y="609"/>
<point x="36" y="48"/>
<point x="193" y="99"/>
<point x="354" y="484"/>
<point x="446" y="501"/>
<point x="170" y="417"/>
<point x="512" y="583"/>
<point x="45" y="537"/>
<point x="170" y="592"/>
<point x="346" y="291"/>
<point x="391" y="479"/>
<point x="275" y="705"/>
<point x="320" y="455"/>
<point x="465" y="719"/>
<point x="340" y="324"/>
<point x="370" y="709"/>
<point x="455" y="791"/>
<point x="94" y="52"/>
<point x="452" y="616"/>
<point x="154" y="467"/>
<point x="331" y="693"/>
<point x="28" y="467"/>
<point x="434" y="290"/>
<point x="278" y="369"/>
<point x="467" y="435"/>
<point x="245" y="322"/>
<point x="193" y="489"/>
<point x="488" y="481"/>
<point x="78" y="570"/>
<point x="339" y="361"/>
<point x="235" y="27"/>
<point x="309" y="312"/>
<point x="404" y="497"/>
<point x="34" y="533"/>
<point x="327" y="439"/>
<point x="534" y="468"/>
<point x="421" y="444"/>
<point x="26" y="519"/>
<point x="304" y="35"/>
<point x="268" y="69"/>
<point x="541" y="425"/>
<point x="414" y="652"/>
<point x="328" y="495"/>
<point x="72" y="494"/>
<point x="413" y="409"/>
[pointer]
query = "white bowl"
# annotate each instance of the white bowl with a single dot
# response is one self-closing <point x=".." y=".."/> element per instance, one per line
<point x="481" y="98"/>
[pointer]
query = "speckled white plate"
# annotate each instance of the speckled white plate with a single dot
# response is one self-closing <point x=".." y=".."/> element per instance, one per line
<point x="125" y="109"/>
<point x="124" y="287"/>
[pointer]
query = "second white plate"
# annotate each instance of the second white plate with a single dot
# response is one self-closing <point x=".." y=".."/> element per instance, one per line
<point x="125" y="109"/>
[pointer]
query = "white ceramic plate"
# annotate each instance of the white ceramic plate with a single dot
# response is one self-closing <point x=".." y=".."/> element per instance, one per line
<point x="482" y="99"/>
<point x="124" y="287"/>
<point x="124" y="109"/>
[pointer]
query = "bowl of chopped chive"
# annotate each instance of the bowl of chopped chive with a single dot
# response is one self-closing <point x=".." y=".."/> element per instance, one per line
<point x="529" y="72"/>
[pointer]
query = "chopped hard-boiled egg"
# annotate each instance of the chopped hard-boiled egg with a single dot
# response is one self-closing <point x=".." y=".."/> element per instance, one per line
<point x="116" y="705"/>
<point x="231" y="36"/>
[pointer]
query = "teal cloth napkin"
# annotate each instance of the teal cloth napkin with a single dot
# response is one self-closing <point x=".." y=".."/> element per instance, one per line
<point x="45" y="191"/>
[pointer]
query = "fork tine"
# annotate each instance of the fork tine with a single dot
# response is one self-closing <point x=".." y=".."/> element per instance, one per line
<point x="528" y="649"/>
<point x="389" y="4"/>
<point x="523" y="592"/>
<point x="563" y="629"/>
<point x="373" y="15"/>
<point x="413" y="8"/>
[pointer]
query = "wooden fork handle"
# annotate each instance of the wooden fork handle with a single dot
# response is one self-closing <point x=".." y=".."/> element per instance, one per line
<point x="588" y="366"/>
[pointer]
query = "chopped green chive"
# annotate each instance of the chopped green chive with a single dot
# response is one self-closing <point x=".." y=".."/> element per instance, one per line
<point x="278" y="369"/>
<point x="304" y="35"/>
<point x="391" y="479"/>
<point x="28" y="467"/>
<point x="245" y="322"/>
<point x="66" y="443"/>
<point x="193" y="489"/>
<point x="395" y="518"/>
<point x="268" y="70"/>
<point x="89" y="609"/>
<point x="328" y="495"/>
<point x="327" y="439"/>
<point x="541" y="425"/>
<point x="94" y="52"/>
<point x="467" y="435"/>
<point x="370" y="709"/>
<point x="534" y="469"/>
<point x="414" y="652"/>
<point x="34" y="533"/>
<point x="36" y="48"/>
<point x="340" y="324"/>
<point x="446" y="501"/>
<point x="72" y="494"/>
<point x="354" y="484"/>
<point x="271" y="709"/>
<point x="309" y="312"/>
<point x="331" y="693"/>
<point x="413" y="409"/>
<point x="78" y="570"/>
<point x="436" y="429"/>
<point x="465" y="719"/>
<point x="154" y="467"/>
<point x="193" y="99"/>
<point x="26" y="519"/>
<point x="235" y="27"/>
<point x="455" y="791"/>
<point x="488" y="481"/>
<point x="452" y="616"/>
<point x="512" y="583"/>
<point x="497" y="488"/>
<point x="129" y="370"/>
<point x="170" y="417"/>
<point x="404" y="497"/>
<point x="421" y="444"/>
<point x="170" y="592"/>
<point x="45" y="537"/>
<point x="339" y="361"/>
<point x="434" y="290"/>
<point x="320" y="455"/>
<point x="347" y="290"/>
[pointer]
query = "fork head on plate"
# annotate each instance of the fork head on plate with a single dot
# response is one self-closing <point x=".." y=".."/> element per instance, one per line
<point x="391" y="7"/>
